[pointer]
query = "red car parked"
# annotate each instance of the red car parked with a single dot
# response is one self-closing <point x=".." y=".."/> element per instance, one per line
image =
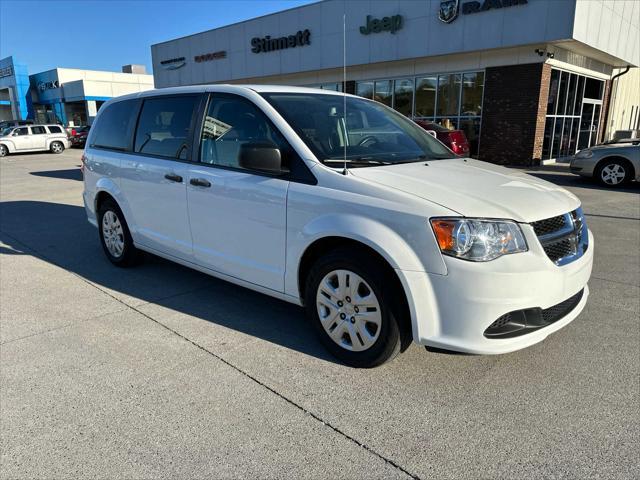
<point x="78" y="136"/>
<point x="456" y="140"/>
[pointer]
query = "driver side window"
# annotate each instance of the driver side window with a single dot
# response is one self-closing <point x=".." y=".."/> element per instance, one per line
<point x="231" y="122"/>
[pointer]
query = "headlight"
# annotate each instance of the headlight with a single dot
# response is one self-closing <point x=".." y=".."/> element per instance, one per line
<point x="476" y="239"/>
<point x="584" y="154"/>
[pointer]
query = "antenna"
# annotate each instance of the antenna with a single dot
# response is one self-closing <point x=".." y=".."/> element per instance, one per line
<point x="344" y="87"/>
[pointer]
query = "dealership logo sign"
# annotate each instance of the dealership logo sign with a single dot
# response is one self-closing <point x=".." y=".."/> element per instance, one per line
<point x="268" y="44"/>
<point x="173" y="63"/>
<point x="386" y="24"/>
<point x="50" y="85"/>
<point x="6" y="71"/>
<point x="449" y="9"/>
<point x="207" y="57"/>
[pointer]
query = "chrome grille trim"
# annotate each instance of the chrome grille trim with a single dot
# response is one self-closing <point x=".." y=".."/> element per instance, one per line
<point x="564" y="238"/>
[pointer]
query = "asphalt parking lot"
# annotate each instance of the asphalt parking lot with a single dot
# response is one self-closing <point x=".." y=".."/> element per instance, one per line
<point x="161" y="371"/>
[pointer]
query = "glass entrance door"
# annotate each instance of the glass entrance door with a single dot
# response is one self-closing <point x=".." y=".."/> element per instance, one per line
<point x="589" y="123"/>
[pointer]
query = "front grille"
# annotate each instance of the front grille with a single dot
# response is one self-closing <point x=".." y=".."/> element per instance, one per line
<point x="549" y="225"/>
<point x="557" y="250"/>
<point x="564" y="238"/>
<point x="521" y="322"/>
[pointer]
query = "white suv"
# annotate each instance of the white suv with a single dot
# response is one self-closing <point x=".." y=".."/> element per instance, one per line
<point x="33" y="138"/>
<point x="376" y="228"/>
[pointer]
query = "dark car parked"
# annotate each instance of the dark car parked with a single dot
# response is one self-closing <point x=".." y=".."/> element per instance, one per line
<point x="78" y="136"/>
<point x="456" y="140"/>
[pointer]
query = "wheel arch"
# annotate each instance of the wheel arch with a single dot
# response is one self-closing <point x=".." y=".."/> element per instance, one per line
<point x="324" y="245"/>
<point x="620" y="159"/>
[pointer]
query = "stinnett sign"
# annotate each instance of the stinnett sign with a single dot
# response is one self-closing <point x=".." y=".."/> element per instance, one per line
<point x="268" y="44"/>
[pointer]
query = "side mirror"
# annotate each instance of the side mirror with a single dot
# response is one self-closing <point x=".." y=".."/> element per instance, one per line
<point x="264" y="157"/>
<point x="432" y="133"/>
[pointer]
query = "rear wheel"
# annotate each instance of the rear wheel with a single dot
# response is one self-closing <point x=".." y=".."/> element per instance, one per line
<point x="354" y="310"/>
<point x="613" y="172"/>
<point x="56" y="147"/>
<point x="115" y="236"/>
<point x="4" y="151"/>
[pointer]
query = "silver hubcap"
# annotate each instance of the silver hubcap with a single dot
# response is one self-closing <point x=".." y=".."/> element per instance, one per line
<point x="613" y="174"/>
<point x="113" y="234"/>
<point x="56" y="147"/>
<point x="3" y="150"/>
<point x="349" y="310"/>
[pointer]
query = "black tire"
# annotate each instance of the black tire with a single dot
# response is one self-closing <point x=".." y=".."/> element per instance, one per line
<point x="130" y="255"/>
<point x="619" y="164"/>
<point x="56" y="147"/>
<point x="4" y="151"/>
<point x="391" y="336"/>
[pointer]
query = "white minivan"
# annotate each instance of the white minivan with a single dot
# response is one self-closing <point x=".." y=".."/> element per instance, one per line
<point x="376" y="228"/>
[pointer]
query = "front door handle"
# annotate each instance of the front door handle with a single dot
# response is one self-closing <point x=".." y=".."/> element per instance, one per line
<point x="199" y="182"/>
<point x="173" y="177"/>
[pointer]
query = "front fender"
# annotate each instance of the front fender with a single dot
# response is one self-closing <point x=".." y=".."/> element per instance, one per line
<point x="10" y="146"/>
<point x="391" y="246"/>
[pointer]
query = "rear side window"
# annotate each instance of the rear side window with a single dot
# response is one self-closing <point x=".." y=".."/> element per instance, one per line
<point x="113" y="128"/>
<point x="38" y="130"/>
<point x="54" y="129"/>
<point x="164" y="126"/>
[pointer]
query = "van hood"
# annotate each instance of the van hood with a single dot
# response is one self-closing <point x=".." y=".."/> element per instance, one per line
<point x="475" y="189"/>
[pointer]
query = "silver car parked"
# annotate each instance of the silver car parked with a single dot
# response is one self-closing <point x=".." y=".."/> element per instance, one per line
<point x="610" y="164"/>
<point x="33" y="138"/>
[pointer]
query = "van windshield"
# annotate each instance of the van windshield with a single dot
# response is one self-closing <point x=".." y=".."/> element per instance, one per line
<point x="371" y="135"/>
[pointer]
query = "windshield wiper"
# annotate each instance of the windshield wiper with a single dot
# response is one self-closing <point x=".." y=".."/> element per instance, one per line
<point x="359" y="161"/>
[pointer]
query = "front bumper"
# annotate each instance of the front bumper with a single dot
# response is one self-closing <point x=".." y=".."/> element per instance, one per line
<point x="453" y="311"/>
<point x="582" y="166"/>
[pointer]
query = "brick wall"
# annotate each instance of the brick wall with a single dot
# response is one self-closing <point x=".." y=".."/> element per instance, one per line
<point x="513" y="116"/>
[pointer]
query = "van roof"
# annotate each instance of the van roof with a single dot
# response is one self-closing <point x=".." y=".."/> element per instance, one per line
<point x="227" y="88"/>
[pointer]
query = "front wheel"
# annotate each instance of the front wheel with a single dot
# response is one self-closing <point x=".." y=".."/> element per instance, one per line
<point x="56" y="147"/>
<point x="353" y="308"/>
<point x="4" y="151"/>
<point x="613" y="172"/>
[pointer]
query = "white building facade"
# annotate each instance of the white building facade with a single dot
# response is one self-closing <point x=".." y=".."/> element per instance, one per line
<point x="527" y="80"/>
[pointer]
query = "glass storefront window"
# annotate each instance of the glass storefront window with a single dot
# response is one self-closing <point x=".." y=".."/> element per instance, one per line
<point x="554" y="85"/>
<point x="471" y="128"/>
<point x="426" y="96"/>
<point x="571" y="95"/>
<point x="383" y="92"/>
<point x="593" y="89"/>
<point x="579" y="96"/>
<point x="451" y="100"/>
<point x="337" y="87"/>
<point x="573" y="114"/>
<point x="562" y="93"/>
<point x="448" y="94"/>
<point x="403" y="96"/>
<point x="472" y="88"/>
<point x="364" y="89"/>
<point x="450" y="123"/>
<point x="548" y="133"/>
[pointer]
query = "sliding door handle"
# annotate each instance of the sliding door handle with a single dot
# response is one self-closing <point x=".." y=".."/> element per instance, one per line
<point x="199" y="182"/>
<point x="173" y="177"/>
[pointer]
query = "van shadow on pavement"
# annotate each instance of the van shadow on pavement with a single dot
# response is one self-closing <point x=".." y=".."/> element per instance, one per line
<point x="61" y="235"/>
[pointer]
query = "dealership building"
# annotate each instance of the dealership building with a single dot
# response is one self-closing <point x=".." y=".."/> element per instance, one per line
<point x="527" y="80"/>
<point x="63" y="95"/>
